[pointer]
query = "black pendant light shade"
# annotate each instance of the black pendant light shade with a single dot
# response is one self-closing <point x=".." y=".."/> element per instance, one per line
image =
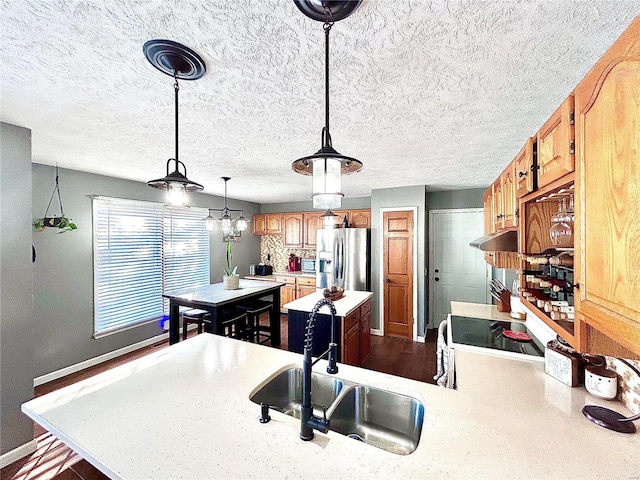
<point x="176" y="177"/>
<point x="181" y="63"/>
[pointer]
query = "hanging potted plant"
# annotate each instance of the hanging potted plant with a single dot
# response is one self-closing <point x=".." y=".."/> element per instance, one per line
<point x="231" y="279"/>
<point x="62" y="222"/>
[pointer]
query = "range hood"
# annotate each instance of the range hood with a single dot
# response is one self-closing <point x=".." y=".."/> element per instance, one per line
<point x="498" y="242"/>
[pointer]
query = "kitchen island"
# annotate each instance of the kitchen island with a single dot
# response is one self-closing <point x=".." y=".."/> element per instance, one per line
<point x="352" y="329"/>
<point x="184" y="412"/>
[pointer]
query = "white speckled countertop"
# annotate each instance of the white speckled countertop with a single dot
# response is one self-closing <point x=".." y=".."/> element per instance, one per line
<point x="184" y="412"/>
<point x="344" y="306"/>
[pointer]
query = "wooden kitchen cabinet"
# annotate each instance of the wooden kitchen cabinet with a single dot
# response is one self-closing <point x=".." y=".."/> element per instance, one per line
<point x="498" y="204"/>
<point x="312" y="221"/>
<point x="259" y="224"/>
<point x="489" y="227"/>
<point x="359" y="218"/>
<point x="266" y="224"/>
<point x="608" y="196"/>
<point x="356" y="336"/>
<point x="509" y="201"/>
<point x="292" y="229"/>
<point x="274" y="223"/>
<point x="525" y="173"/>
<point x="556" y="144"/>
<point x="305" y="286"/>
<point x="365" y="331"/>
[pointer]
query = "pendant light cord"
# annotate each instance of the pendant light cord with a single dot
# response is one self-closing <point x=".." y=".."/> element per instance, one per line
<point x="326" y="136"/>
<point x="176" y="87"/>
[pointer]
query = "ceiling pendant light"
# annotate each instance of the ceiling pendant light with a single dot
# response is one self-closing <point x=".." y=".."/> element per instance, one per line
<point x="328" y="219"/>
<point x="327" y="165"/>
<point x="182" y="63"/>
<point x="225" y="219"/>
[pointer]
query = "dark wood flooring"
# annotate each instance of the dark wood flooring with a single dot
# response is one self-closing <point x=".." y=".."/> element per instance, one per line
<point x="53" y="460"/>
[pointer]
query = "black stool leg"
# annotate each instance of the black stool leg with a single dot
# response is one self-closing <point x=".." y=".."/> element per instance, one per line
<point x="185" y="323"/>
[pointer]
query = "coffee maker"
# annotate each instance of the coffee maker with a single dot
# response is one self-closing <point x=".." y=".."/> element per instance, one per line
<point x="294" y="263"/>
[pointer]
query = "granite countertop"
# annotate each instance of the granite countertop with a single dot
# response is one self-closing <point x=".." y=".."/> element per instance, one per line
<point x="153" y="417"/>
<point x="351" y="300"/>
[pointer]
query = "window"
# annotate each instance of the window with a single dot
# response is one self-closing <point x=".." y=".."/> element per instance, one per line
<point x="141" y="250"/>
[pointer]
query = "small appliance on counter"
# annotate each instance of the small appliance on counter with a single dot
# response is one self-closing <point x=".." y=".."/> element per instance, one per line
<point x="264" y="270"/>
<point x="308" y="265"/>
<point x="294" y="263"/>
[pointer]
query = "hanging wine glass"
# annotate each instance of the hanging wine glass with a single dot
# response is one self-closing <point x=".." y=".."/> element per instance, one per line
<point x="557" y="227"/>
<point x="565" y="231"/>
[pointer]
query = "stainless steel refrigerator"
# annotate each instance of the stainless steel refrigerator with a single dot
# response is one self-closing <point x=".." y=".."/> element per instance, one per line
<point x="342" y="258"/>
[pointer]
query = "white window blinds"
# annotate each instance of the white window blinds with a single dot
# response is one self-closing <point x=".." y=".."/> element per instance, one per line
<point x="142" y="249"/>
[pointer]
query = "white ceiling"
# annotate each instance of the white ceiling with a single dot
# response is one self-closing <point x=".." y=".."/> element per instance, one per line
<point x="440" y="93"/>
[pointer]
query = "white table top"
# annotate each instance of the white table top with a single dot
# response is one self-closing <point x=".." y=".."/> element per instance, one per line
<point x="184" y="412"/>
<point x="351" y="300"/>
<point x="215" y="294"/>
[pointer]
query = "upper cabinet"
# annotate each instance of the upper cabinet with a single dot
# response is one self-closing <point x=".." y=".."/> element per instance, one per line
<point x="500" y="202"/>
<point x="556" y="144"/>
<point x="312" y="221"/>
<point x="488" y="211"/>
<point x="359" y="218"/>
<point x="524" y="169"/>
<point x="608" y="193"/>
<point x="292" y="231"/>
<point x="266" y="224"/>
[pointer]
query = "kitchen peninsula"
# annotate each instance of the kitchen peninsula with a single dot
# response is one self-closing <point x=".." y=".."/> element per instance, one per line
<point x="352" y="332"/>
<point x="505" y="412"/>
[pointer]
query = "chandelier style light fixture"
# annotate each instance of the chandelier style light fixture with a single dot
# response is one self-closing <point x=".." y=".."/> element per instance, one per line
<point x="327" y="165"/>
<point x="181" y="63"/>
<point x="225" y="219"/>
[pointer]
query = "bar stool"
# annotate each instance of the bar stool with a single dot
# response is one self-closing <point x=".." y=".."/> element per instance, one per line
<point x="194" y="315"/>
<point x="235" y="326"/>
<point x="253" y="311"/>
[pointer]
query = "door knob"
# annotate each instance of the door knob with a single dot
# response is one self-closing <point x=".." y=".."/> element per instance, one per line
<point x="386" y="280"/>
<point x="437" y="279"/>
<point x="437" y="271"/>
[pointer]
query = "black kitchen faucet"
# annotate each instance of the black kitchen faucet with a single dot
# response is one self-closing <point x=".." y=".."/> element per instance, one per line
<point x="308" y="421"/>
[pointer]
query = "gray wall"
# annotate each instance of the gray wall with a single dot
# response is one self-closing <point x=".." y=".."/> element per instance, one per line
<point x="347" y="204"/>
<point x="412" y="196"/>
<point x="16" y="305"/>
<point x="63" y="274"/>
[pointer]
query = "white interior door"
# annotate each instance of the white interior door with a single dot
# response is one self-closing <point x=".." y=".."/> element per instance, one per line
<point x="457" y="271"/>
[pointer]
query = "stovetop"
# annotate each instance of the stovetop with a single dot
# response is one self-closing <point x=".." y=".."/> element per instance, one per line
<point x="482" y="333"/>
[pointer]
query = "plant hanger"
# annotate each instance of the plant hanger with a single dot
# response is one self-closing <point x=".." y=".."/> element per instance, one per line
<point x="62" y="221"/>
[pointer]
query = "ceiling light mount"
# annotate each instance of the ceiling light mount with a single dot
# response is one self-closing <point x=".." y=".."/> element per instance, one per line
<point x="327" y="165"/>
<point x="316" y="9"/>
<point x="174" y="59"/>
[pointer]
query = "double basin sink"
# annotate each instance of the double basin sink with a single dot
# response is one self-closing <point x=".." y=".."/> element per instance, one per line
<point x="383" y="419"/>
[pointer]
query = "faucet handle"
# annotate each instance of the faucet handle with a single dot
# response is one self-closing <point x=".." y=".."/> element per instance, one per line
<point x="324" y="414"/>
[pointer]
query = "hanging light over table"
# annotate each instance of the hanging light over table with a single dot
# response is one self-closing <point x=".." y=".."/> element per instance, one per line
<point x="327" y="165"/>
<point x="181" y="63"/>
<point x="226" y="220"/>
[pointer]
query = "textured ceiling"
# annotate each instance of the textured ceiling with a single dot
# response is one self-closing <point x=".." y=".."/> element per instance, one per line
<point x="441" y="93"/>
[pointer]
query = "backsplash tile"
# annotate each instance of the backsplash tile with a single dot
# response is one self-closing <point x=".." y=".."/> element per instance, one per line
<point x="628" y="382"/>
<point x="274" y="245"/>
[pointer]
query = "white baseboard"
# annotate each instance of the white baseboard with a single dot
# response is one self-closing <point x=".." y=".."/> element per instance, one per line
<point x="99" y="359"/>
<point x="421" y="339"/>
<point x="18" y="453"/>
<point x="377" y="332"/>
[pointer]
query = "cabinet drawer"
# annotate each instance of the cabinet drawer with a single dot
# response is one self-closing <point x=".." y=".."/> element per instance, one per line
<point x="352" y="319"/>
<point x="365" y="308"/>
<point x="308" y="281"/>
<point x="285" y="279"/>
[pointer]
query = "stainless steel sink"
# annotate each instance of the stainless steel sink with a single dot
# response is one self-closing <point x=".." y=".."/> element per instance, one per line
<point x="384" y="419"/>
<point x="284" y="392"/>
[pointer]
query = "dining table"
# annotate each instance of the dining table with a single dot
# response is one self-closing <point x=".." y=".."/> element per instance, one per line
<point x="215" y="299"/>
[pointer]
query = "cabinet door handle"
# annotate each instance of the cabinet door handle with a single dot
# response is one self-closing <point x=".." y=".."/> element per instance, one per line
<point x="522" y="174"/>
